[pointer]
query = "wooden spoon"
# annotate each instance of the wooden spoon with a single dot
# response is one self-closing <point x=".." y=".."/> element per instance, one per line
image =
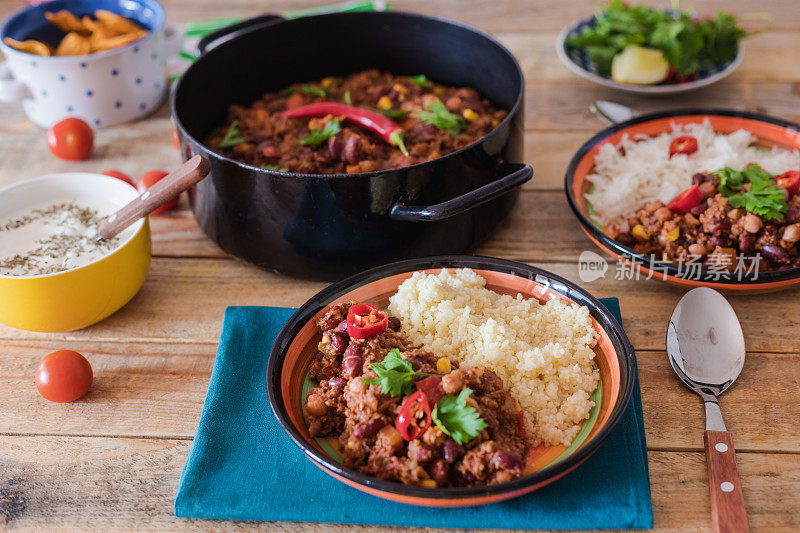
<point x="185" y="176"/>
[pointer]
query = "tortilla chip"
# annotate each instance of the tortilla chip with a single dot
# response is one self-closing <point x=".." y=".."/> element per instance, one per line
<point x="31" y="47"/>
<point x="116" y="23"/>
<point x="66" y="22"/>
<point x="74" y="44"/>
<point x="115" y="42"/>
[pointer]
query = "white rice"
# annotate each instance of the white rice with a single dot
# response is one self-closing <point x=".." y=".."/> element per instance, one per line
<point x="543" y="353"/>
<point x="624" y="183"/>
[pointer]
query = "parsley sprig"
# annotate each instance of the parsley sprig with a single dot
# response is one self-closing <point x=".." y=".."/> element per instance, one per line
<point x="438" y="115"/>
<point x="395" y="374"/>
<point x="317" y="137"/>
<point x="688" y="44"/>
<point x="420" y="80"/>
<point x="457" y="419"/>
<point x="232" y="137"/>
<point x="763" y="198"/>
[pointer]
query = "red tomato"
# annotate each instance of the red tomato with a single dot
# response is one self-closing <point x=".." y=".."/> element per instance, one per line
<point x="685" y="201"/>
<point x="150" y="178"/>
<point x="64" y="376"/>
<point x="71" y="139"/>
<point x="684" y="144"/>
<point x="120" y="176"/>
<point x="175" y="139"/>
<point x="790" y="181"/>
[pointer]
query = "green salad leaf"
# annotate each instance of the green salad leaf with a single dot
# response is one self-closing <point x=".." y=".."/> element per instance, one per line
<point x="688" y="43"/>
<point x="317" y="137"/>
<point x="457" y="419"/>
<point x="232" y="137"/>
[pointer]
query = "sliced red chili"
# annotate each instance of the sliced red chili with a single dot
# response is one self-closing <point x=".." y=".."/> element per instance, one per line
<point x="685" y="201"/>
<point x="383" y="126"/>
<point x="365" y="321"/>
<point x="431" y="387"/>
<point x="415" y="416"/>
<point x="685" y="144"/>
<point x="520" y="424"/>
<point x="790" y="181"/>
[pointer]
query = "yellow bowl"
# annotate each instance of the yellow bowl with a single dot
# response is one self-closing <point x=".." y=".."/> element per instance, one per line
<point x="80" y="297"/>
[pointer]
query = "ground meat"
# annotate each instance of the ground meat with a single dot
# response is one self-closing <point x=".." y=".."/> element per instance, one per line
<point x="715" y="234"/>
<point x="362" y="417"/>
<point x="273" y="141"/>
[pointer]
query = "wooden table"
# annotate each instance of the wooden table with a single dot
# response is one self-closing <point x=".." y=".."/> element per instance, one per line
<point x="111" y="460"/>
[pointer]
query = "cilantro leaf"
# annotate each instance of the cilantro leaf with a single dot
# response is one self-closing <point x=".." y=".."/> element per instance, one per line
<point x="232" y="137"/>
<point x="395" y="374"/>
<point x="317" y="137"/>
<point x="420" y="80"/>
<point x="457" y="419"/>
<point x="438" y="115"/>
<point x="763" y="198"/>
<point x="313" y="91"/>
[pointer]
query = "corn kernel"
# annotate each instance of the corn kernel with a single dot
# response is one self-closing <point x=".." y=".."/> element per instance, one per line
<point x="673" y="234"/>
<point x="429" y="483"/>
<point x="443" y="365"/>
<point x="469" y="114"/>
<point x="639" y="232"/>
<point x="384" y="103"/>
<point x="399" y="87"/>
<point x="327" y="82"/>
<point x="495" y="122"/>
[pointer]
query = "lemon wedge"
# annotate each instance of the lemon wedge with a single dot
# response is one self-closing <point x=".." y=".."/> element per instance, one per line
<point x="639" y="65"/>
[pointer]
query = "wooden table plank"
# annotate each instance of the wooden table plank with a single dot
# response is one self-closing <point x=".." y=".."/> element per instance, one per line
<point x="102" y="484"/>
<point x="168" y="382"/>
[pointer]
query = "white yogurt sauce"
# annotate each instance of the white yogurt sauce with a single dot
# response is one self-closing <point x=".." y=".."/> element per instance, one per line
<point x="53" y="237"/>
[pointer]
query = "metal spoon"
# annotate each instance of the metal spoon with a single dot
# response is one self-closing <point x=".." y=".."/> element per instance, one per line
<point x="706" y="349"/>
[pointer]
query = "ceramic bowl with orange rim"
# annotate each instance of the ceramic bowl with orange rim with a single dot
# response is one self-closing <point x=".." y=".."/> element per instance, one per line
<point x="768" y="130"/>
<point x="296" y="344"/>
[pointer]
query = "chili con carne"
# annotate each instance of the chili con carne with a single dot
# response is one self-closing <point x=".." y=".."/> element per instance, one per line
<point x="383" y="126"/>
<point x="365" y="321"/>
<point x="415" y="416"/>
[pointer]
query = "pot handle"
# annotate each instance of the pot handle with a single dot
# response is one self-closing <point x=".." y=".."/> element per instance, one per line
<point x="211" y="40"/>
<point x="11" y="90"/>
<point x="517" y="174"/>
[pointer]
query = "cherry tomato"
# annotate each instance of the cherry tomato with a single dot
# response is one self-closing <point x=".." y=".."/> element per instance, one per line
<point x="684" y="144"/>
<point x="685" y="201"/>
<point x="63" y="376"/>
<point x="790" y="181"/>
<point x="150" y="178"/>
<point x="175" y="139"/>
<point x="120" y="176"/>
<point x="71" y="139"/>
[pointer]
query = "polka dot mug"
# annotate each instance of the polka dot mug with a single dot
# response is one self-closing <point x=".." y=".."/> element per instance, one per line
<point x="103" y="88"/>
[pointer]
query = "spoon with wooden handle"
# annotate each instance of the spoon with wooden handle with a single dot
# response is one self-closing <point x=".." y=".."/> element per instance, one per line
<point x="185" y="176"/>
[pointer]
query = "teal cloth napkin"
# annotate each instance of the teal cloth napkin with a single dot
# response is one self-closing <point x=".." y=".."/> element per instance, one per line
<point x="243" y="466"/>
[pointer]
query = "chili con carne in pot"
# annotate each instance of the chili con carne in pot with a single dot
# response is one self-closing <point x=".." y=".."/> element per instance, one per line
<point x="326" y="226"/>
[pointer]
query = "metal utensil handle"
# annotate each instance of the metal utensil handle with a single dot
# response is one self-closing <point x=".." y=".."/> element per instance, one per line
<point x="170" y="186"/>
<point x="728" y="513"/>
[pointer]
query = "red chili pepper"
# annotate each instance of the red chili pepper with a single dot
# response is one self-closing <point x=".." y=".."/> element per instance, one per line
<point x="430" y="386"/>
<point x="790" y="181"/>
<point x="685" y="201"/>
<point x="684" y="144"/>
<point x="410" y="425"/>
<point x="365" y="321"/>
<point x="388" y="130"/>
<point x="520" y="424"/>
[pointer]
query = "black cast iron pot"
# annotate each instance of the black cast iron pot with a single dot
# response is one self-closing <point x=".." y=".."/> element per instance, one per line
<point x="327" y="226"/>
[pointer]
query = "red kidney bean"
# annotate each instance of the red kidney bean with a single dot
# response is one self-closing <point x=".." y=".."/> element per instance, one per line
<point x="450" y="450"/>
<point x="775" y="253"/>
<point x="368" y="428"/>
<point x="507" y="461"/>
<point x="393" y="323"/>
<point x="338" y="342"/>
<point x="747" y="243"/>
<point x="330" y="323"/>
<point x="337" y="382"/>
<point x="792" y="216"/>
<point x="354" y="349"/>
<point x="438" y="471"/>
<point x="352" y="148"/>
<point x="717" y="240"/>
<point x="352" y="366"/>
<point x="342" y="327"/>
<point x="335" y="147"/>
<point x="699" y="178"/>
<point x="699" y="209"/>
<point x="491" y="421"/>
